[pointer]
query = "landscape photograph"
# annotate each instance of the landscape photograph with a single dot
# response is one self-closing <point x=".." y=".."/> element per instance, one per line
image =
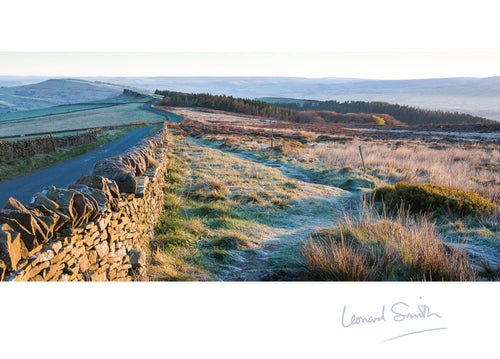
<point x="254" y="178"/>
<point x="265" y="179"/>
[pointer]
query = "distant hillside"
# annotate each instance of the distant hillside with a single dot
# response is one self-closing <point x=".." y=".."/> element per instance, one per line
<point x="405" y="114"/>
<point x="11" y="81"/>
<point x="227" y="103"/>
<point x="54" y="92"/>
<point x="475" y="96"/>
<point x="260" y="108"/>
<point x="127" y="96"/>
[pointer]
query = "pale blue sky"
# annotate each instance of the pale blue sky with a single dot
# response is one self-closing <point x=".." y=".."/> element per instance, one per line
<point x="382" y="65"/>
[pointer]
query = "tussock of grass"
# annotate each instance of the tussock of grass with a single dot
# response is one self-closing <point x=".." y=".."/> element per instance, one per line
<point x="280" y="203"/>
<point x="375" y="247"/>
<point x="257" y="175"/>
<point x="491" y="221"/>
<point x="175" y="230"/>
<point x="173" y="178"/>
<point x="290" y="147"/>
<point x="249" y="197"/>
<point x="176" y="238"/>
<point x="347" y="169"/>
<point x="211" y="189"/>
<point x="291" y="184"/>
<point x="231" y="239"/>
<point x="172" y="202"/>
<point x="223" y="222"/>
<point x="224" y="256"/>
<point x="440" y="200"/>
<point x="357" y="182"/>
<point x="175" y="264"/>
<point x="215" y="209"/>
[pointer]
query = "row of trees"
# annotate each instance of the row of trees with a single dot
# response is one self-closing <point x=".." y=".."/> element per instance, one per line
<point x="228" y="103"/>
<point x="406" y="114"/>
<point x="319" y="111"/>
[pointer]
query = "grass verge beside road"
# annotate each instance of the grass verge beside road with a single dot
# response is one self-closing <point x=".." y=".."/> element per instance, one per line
<point x="17" y="167"/>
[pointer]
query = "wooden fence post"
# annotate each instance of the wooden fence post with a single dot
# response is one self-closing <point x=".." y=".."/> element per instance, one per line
<point x="362" y="160"/>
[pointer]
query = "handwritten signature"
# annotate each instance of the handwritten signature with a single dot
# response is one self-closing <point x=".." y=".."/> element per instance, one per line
<point x="398" y="312"/>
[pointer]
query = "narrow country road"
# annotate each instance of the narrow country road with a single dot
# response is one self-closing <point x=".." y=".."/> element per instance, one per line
<point x="65" y="173"/>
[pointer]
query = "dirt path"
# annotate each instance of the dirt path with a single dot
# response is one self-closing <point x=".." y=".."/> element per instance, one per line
<point x="287" y="171"/>
<point x="254" y="264"/>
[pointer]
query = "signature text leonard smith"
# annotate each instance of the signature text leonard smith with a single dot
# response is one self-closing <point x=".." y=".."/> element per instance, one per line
<point x="398" y="312"/>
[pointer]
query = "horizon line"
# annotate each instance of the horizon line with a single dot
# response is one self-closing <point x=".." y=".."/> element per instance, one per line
<point x="80" y="77"/>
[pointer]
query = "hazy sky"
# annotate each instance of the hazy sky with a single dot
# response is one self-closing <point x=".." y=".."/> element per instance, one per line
<point x="387" y="65"/>
<point x="383" y="39"/>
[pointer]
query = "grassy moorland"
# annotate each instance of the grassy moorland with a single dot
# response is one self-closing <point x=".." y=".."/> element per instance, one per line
<point x="254" y="199"/>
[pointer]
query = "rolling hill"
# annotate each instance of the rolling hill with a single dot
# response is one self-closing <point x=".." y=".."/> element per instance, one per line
<point x="115" y="111"/>
<point x="54" y="92"/>
<point x="475" y="96"/>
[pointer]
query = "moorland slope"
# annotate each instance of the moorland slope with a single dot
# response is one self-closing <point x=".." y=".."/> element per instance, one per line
<point x="54" y="92"/>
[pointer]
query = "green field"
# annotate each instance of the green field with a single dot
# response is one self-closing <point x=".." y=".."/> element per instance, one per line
<point x="55" y="110"/>
<point x="96" y="117"/>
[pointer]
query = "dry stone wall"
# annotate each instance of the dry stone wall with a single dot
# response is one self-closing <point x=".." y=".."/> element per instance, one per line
<point x="96" y="229"/>
<point x="10" y="150"/>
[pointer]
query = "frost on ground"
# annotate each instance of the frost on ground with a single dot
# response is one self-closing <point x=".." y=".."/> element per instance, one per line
<point x="252" y="194"/>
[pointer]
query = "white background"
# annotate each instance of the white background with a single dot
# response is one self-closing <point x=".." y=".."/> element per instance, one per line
<point x="258" y="25"/>
<point x="243" y="320"/>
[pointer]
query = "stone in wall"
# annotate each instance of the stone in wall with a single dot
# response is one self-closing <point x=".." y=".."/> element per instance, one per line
<point x="108" y="187"/>
<point x="80" y="207"/>
<point x="12" y="249"/>
<point x="123" y="175"/>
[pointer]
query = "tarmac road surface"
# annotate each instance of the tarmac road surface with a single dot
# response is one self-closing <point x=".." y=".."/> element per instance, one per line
<point x="65" y="173"/>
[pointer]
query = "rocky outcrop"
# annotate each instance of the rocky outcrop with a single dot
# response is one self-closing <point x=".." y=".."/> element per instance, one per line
<point x="96" y="229"/>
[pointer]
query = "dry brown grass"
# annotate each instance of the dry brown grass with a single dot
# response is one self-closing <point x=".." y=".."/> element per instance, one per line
<point x="332" y="261"/>
<point x="376" y="247"/>
<point x="460" y="168"/>
<point x="172" y="265"/>
<point x="210" y="188"/>
<point x="467" y="167"/>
